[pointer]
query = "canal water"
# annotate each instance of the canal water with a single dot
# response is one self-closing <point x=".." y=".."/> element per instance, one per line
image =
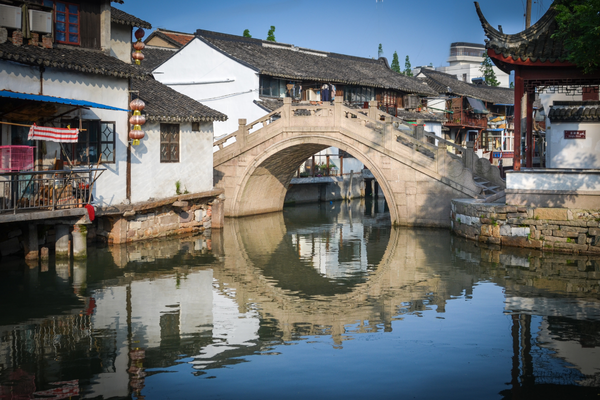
<point x="319" y="301"/>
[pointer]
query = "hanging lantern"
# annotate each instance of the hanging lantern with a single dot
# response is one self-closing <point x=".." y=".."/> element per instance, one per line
<point x="138" y="46"/>
<point x="137" y="119"/>
<point x="136" y="134"/>
<point x="137" y="56"/>
<point x="137" y="104"/>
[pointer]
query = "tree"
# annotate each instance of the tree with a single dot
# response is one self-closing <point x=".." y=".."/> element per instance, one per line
<point x="396" y="64"/>
<point x="380" y="51"/>
<point x="407" y="67"/>
<point x="579" y="29"/>
<point x="271" y="34"/>
<point x="487" y="69"/>
<point x="247" y="33"/>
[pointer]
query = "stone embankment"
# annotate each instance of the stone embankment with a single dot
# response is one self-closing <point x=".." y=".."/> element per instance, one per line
<point x="563" y="230"/>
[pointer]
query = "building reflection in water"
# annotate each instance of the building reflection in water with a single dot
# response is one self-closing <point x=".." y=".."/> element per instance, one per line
<point x="100" y="328"/>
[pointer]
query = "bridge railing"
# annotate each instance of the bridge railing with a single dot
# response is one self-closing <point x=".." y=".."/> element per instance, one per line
<point x="246" y="129"/>
<point x="370" y="124"/>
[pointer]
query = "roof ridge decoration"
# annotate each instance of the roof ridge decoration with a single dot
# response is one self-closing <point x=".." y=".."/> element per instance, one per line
<point x="542" y="26"/>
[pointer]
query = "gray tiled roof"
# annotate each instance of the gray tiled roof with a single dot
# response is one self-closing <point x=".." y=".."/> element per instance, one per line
<point x="154" y="57"/>
<point x="121" y="17"/>
<point x="447" y="84"/>
<point x="575" y="111"/>
<point x="164" y="104"/>
<point x="534" y="43"/>
<point x="71" y="59"/>
<point x="290" y="62"/>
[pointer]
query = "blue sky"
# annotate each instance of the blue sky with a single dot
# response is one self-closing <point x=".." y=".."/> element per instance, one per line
<point x="422" y="29"/>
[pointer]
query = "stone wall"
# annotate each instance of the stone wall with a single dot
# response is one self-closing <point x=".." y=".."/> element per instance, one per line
<point x="175" y="216"/>
<point x="564" y="230"/>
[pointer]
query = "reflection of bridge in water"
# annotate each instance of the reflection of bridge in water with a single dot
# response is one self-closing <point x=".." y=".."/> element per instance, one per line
<point x="254" y="291"/>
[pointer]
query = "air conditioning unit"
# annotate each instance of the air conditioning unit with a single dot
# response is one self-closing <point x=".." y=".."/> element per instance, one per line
<point x="40" y="21"/>
<point x="10" y="17"/>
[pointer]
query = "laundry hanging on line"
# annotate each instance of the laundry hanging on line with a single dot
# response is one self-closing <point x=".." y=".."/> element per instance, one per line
<point x="61" y="135"/>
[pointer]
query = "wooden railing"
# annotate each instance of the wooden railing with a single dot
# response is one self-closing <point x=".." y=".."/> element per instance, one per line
<point x="46" y="190"/>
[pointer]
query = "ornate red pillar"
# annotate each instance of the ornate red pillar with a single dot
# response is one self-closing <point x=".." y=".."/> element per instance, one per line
<point x="519" y="89"/>
<point x="529" y="119"/>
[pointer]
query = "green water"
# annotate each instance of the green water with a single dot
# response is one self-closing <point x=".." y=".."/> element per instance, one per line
<point x="320" y="301"/>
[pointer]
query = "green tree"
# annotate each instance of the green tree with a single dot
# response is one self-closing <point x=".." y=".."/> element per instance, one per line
<point x="407" y="67"/>
<point x="247" y="33"/>
<point x="380" y="51"/>
<point x="487" y="69"/>
<point x="396" y="64"/>
<point x="579" y="29"/>
<point x="271" y="34"/>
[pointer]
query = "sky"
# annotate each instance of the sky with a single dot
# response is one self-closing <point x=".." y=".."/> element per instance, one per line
<point x="421" y="29"/>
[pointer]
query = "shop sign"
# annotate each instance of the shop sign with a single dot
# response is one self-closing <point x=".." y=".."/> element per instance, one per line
<point x="574" y="134"/>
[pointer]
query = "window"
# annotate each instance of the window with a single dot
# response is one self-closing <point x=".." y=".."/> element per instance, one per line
<point x="272" y="87"/>
<point x="169" y="143"/>
<point x="96" y="139"/>
<point x="358" y="94"/>
<point x="66" y="21"/>
<point x="18" y="135"/>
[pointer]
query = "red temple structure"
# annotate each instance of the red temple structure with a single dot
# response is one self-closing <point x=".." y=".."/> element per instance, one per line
<point x="539" y="61"/>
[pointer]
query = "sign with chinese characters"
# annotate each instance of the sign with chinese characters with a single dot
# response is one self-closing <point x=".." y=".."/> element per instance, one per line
<point x="503" y="154"/>
<point x="574" y="134"/>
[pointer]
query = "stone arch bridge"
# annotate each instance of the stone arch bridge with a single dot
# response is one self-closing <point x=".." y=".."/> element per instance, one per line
<point x="255" y="164"/>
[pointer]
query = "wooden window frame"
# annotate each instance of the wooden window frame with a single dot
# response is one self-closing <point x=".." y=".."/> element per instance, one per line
<point x="74" y="150"/>
<point x="169" y="140"/>
<point x="67" y="23"/>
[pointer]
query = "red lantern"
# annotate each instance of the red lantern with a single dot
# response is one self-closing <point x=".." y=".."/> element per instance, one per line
<point x="137" y="119"/>
<point x="136" y="134"/>
<point x="139" y="34"/>
<point x="139" y="46"/>
<point x="137" y="104"/>
<point x="137" y="56"/>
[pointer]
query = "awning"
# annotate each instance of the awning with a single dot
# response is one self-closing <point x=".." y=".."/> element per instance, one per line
<point x="57" y="100"/>
<point x="477" y="105"/>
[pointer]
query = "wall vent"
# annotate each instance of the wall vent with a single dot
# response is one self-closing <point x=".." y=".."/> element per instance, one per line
<point x="10" y="17"/>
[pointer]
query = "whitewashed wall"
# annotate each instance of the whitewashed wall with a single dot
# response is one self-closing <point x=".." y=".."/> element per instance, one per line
<point x="110" y="188"/>
<point x="197" y="62"/>
<point x="152" y="179"/>
<point x="120" y="42"/>
<point x="573" y="153"/>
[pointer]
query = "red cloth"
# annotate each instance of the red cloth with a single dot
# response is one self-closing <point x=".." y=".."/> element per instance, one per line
<point x="91" y="211"/>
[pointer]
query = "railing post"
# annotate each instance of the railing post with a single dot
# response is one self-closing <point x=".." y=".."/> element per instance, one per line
<point x="373" y="109"/>
<point x="337" y="111"/>
<point x="440" y="158"/>
<point x="286" y="112"/>
<point x="242" y="132"/>
<point x="469" y="156"/>
<point x="420" y="131"/>
<point x="388" y="132"/>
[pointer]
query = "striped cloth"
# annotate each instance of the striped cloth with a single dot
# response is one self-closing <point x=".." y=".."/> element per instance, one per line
<point x="53" y="134"/>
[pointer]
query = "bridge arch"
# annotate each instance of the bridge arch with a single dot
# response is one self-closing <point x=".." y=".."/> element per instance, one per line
<point x="418" y="179"/>
<point x="266" y="178"/>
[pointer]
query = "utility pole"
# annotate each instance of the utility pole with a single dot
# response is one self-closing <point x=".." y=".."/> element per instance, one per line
<point x="528" y="14"/>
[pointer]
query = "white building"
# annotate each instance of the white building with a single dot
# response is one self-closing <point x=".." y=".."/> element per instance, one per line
<point x="465" y="63"/>
<point x="86" y="80"/>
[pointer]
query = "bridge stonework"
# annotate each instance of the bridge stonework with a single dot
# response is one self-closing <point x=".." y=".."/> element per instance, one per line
<point x="417" y="178"/>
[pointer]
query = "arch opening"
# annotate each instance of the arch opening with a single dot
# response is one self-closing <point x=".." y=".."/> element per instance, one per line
<point x="267" y="178"/>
